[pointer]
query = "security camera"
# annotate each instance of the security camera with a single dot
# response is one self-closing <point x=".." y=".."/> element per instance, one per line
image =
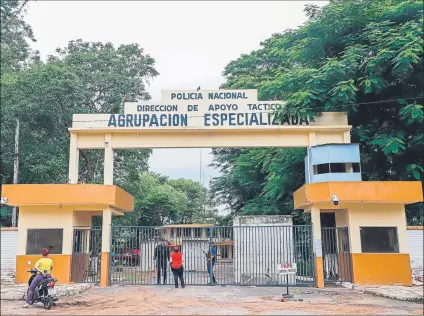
<point x="3" y="201"/>
<point x="335" y="200"/>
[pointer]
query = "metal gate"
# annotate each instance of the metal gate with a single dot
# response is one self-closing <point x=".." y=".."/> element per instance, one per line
<point x="336" y="255"/>
<point x="86" y="255"/>
<point x="245" y="255"/>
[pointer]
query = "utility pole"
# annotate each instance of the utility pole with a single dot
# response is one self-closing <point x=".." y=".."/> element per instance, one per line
<point x="15" y="169"/>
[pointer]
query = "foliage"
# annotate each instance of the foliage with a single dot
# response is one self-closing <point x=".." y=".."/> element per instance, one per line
<point x="159" y="201"/>
<point x="362" y="57"/>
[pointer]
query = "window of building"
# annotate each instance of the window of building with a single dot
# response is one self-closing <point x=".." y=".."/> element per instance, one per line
<point x="187" y="232"/>
<point x="337" y="168"/>
<point x="197" y="232"/>
<point x="379" y="240"/>
<point x="321" y="168"/>
<point x="225" y="252"/>
<point x="356" y="167"/>
<point x="37" y="239"/>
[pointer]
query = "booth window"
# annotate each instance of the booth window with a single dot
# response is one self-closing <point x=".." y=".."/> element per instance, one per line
<point x="37" y="239"/>
<point x="321" y="168"/>
<point x="379" y="240"/>
<point x="336" y="167"/>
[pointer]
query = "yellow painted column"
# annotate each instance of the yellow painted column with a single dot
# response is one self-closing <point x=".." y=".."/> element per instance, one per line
<point x="317" y="245"/>
<point x="106" y="244"/>
<point x="73" y="160"/>
<point x="346" y="137"/>
<point x="108" y="161"/>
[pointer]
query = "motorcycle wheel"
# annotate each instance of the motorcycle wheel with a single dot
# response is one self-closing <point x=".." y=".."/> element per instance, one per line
<point x="48" y="303"/>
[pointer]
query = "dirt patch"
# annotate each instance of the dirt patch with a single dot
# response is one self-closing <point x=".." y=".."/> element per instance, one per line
<point x="217" y="300"/>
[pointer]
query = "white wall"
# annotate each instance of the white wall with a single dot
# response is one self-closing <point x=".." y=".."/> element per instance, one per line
<point x="415" y="245"/>
<point x="9" y="245"/>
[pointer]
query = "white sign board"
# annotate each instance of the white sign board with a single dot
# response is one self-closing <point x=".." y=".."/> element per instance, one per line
<point x="196" y="110"/>
<point x="287" y="268"/>
<point x="204" y="109"/>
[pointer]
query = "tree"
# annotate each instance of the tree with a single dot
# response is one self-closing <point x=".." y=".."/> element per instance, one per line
<point x="362" y="57"/>
<point x="15" y="34"/>
<point x="82" y="78"/>
<point x="160" y="201"/>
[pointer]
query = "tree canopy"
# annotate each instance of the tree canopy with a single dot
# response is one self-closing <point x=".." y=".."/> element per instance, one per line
<point x="84" y="77"/>
<point x="361" y="57"/>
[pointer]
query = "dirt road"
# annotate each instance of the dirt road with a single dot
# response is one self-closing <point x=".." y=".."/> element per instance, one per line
<point x="158" y="300"/>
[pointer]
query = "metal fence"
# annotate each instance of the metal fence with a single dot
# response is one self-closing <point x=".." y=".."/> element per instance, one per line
<point x="86" y="254"/>
<point x="245" y="255"/>
<point x="336" y="255"/>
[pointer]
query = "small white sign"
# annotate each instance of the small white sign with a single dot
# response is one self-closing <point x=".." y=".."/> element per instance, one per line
<point x="287" y="268"/>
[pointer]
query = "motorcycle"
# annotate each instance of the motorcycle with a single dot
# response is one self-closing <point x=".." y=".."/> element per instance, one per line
<point x="44" y="292"/>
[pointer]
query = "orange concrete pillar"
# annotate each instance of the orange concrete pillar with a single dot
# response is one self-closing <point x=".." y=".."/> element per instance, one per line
<point x="317" y="245"/>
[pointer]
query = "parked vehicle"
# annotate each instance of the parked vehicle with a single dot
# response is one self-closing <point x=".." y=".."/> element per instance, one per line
<point x="44" y="292"/>
<point x="127" y="257"/>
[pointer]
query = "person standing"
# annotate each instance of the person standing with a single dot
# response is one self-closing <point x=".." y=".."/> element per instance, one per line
<point x="177" y="266"/>
<point x="44" y="266"/>
<point x="211" y="260"/>
<point x="161" y="257"/>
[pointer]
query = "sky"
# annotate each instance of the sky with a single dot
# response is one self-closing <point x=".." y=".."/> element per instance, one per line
<point x="191" y="42"/>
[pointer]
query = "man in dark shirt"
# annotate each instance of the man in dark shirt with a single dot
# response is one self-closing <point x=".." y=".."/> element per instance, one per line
<point x="161" y="257"/>
<point x="211" y="260"/>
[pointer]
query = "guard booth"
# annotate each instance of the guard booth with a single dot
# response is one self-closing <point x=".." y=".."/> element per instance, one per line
<point x="51" y="214"/>
<point x="367" y="241"/>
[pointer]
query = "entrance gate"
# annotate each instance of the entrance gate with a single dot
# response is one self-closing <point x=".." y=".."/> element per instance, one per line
<point x="244" y="255"/>
<point x="336" y="255"/>
<point x="86" y="255"/>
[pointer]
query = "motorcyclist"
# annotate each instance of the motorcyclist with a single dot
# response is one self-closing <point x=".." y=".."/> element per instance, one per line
<point x="44" y="266"/>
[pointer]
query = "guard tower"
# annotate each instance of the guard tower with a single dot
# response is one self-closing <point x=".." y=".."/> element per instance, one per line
<point x="333" y="163"/>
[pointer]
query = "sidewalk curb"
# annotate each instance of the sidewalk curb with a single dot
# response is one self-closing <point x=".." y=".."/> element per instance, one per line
<point x="18" y="293"/>
<point x="416" y="299"/>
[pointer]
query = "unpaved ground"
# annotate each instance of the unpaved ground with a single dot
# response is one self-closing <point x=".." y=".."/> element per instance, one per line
<point x="165" y="300"/>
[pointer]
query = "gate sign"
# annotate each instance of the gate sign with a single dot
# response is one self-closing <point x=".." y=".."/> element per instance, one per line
<point x="203" y="109"/>
<point x="287" y="268"/>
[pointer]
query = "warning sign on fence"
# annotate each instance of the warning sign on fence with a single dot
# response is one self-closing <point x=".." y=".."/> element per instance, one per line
<point x="287" y="268"/>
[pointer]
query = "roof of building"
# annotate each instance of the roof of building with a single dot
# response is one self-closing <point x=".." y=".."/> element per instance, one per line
<point x="189" y="225"/>
<point x="415" y="227"/>
<point x="68" y="194"/>
<point x="9" y="229"/>
<point x="320" y="145"/>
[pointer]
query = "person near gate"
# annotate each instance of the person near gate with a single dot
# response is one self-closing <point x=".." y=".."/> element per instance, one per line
<point x="44" y="266"/>
<point x="211" y="260"/>
<point x="161" y="258"/>
<point x="177" y="266"/>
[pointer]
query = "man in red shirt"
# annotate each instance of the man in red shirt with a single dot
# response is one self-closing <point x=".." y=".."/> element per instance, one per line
<point x="177" y="266"/>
